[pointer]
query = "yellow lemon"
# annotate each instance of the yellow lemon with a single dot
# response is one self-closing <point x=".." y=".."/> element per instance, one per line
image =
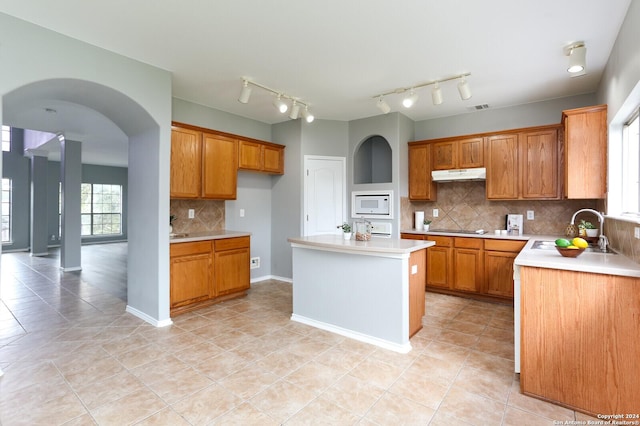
<point x="572" y="247"/>
<point x="580" y="242"/>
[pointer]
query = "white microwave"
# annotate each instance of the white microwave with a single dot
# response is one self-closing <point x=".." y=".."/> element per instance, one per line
<point x="372" y="204"/>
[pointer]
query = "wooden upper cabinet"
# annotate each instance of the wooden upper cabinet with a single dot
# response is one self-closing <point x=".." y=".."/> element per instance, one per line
<point x="421" y="187"/>
<point x="186" y="158"/>
<point x="219" y="167"/>
<point x="539" y="166"/>
<point x="585" y="152"/>
<point x="501" y="158"/>
<point x="261" y="157"/>
<point x="458" y="154"/>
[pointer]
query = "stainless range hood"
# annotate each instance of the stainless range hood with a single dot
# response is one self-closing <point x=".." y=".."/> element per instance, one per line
<point x="479" y="173"/>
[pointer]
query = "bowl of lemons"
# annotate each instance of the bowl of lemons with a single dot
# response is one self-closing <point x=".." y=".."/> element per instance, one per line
<point x="571" y="248"/>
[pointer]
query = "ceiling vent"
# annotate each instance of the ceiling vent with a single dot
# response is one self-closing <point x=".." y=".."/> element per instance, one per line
<point x="479" y="107"/>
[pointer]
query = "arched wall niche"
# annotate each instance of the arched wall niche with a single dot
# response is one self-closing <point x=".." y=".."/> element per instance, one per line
<point x="372" y="161"/>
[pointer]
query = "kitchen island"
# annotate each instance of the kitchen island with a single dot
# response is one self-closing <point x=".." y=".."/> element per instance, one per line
<point x="372" y="291"/>
<point x="577" y="329"/>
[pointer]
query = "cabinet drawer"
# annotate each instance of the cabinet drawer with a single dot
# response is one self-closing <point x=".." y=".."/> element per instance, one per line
<point x="186" y="249"/>
<point x="413" y="236"/>
<point x="504" y="245"/>
<point x="471" y="243"/>
<point x="441" y="241"/>
<point x="231" y="243"/>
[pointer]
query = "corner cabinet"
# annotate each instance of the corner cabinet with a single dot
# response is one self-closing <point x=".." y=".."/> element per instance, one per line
<point x="585" y="152"/>
<point x="207" y="272"/>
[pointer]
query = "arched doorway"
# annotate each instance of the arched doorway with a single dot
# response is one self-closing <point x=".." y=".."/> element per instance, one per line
<point x="147" y="275"/>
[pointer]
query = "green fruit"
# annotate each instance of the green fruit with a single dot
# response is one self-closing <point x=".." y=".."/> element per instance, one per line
<point x="563" y="242"/>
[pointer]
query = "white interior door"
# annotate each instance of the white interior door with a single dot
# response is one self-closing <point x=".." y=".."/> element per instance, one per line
<point x="324" y="194"/>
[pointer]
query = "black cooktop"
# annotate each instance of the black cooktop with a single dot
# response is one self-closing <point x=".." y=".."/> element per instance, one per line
<point x="459" y="231"/>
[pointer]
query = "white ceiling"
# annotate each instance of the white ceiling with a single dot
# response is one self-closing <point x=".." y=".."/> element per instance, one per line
<point x="336" y="55"/>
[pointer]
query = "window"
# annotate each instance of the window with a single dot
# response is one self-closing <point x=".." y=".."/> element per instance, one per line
<point x="101" y="209"/>
<point x="6" y="139"/>
<point x="631" y="166"/>
<point x="6" y="210"/>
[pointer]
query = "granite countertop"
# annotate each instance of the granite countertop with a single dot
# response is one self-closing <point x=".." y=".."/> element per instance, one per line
<point x="205" y="235"/>
<point x="592" y="262"/>
<point x="392" y="246"/>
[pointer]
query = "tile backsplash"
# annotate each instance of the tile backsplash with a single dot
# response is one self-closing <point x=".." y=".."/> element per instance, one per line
<point x="463" y="205"/>
<point x="620" y="234"/>
<point x="209" y="215"/>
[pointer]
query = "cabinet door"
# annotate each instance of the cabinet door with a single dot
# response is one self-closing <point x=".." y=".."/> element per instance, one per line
<point x="417" y="285"/>
<point x="232" y="271"/>
<point x="273" y="159"/>
<point x="190" y="273"/>
<point x="445" y="155"/>
<point x="421" y="187"/>
<point x="250" y="155"/>
<point x="539" y="165"/>
<point x="470" y="153"/>
<point x="585" y="152"/>
<point x="186" y="158"/>
<point x="501" y="159"/>
<point x="499" y="273"/>
<point x="219" y="167"/>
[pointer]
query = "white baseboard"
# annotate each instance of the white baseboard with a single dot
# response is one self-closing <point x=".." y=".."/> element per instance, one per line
<point x="271" y="277"/>
<point x="72" y="269"/>
<point x="147" y="318"/>
<point x="396" y="347"/>
<point x="46" y="253"/>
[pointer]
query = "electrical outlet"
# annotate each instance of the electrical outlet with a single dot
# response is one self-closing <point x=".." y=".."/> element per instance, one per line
<point x="255" y="263"/>
<point x="192" y="213"/>
<point x="241" y="212"/>
<point x="530" y="215"/>
<point x="435" y="212"/>
<point x="636" y="232"/>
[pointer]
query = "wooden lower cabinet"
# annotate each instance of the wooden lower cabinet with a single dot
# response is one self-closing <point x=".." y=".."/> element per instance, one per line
<point x="417" y="278"/>
<point x="480" y="268"/>
<point x="205" y="272"/>
<point x="191" y="267"/>
<point x="499" y="256"/>
<point x="579" y="344"/>
<point x="231" y="265"/>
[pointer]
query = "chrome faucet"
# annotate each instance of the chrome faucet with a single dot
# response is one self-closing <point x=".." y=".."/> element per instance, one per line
<point x="603" y="241"/>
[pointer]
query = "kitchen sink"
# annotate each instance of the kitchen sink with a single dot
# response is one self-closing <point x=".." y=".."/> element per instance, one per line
<point x="551" y="245"/>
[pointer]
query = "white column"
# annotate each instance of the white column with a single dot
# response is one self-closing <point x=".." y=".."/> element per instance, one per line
<point x="71" y="177"/>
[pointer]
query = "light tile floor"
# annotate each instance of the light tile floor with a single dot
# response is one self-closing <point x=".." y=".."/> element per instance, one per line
<point x="73" y="356"/>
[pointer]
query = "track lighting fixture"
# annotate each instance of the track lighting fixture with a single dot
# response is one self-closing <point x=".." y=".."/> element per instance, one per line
<point x="463" y="89"/>
<point x="278" y="102"/>
<point x="410" y="100"/>
<point x="577" y="53"/>
<point x="436" y="92"/>
<point x="245" y="93"/>
<point x="384" y="107"/>
<point x="280" y="106"/>
<point x="436" y="95"/>
<point x="307" y="115"/>
<point x="295" y="110"/>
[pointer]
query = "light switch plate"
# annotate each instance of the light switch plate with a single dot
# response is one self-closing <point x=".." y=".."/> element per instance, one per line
<point x="530" y="215"/>
<point x="192" y="213"/>
<point x="435" y="212"/>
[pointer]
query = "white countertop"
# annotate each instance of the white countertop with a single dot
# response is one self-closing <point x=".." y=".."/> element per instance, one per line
<point x="596" y="263"/>
<point x="375" y="245"/>
<point x="206" y="235"/>
<point x="492" y="235"/>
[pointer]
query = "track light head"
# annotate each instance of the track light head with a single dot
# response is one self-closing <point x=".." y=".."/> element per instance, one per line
<point x="307" y="115"/>
<point x="295" y="110"/>
<point x="245" y="93"/>
<point x="464" y="90"/>
<point x="410" y="100"/>
<point x="436" y="95"/>
<point x="280" y="105"/>
<point x="577" y="53"/>
<point x="383" y="106"/>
